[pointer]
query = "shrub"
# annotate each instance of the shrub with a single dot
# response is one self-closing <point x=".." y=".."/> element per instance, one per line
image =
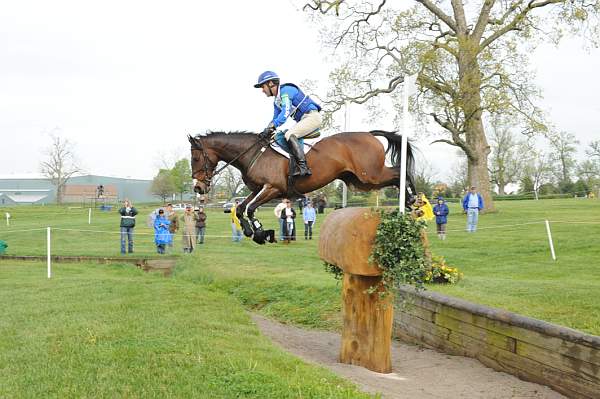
<point x="440" y="272"/>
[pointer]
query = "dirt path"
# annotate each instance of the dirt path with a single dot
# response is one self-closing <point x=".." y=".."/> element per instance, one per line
<point x="418" y="373"/>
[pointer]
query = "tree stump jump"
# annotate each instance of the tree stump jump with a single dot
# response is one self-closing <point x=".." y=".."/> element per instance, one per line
<point x="346" y="241"/>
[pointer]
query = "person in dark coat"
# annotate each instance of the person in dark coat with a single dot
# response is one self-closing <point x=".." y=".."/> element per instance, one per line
<point x="127" y="213"/>
<point x="288" y="214"/>
<point x="441" y="211"/>
<point x="200" y="225"/>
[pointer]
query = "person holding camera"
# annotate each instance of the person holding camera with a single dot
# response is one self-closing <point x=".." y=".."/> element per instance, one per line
<point x="127" y="213"/>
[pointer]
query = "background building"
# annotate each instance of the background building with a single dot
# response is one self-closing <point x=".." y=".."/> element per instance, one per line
<point x="36" y="189"/>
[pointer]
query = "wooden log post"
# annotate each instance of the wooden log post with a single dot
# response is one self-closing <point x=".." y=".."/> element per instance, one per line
<point x="346" y="240"/>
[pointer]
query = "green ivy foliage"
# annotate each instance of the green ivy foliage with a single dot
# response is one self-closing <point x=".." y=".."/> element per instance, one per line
<point x="337" y="272"/>
<point x="399" y="251"/>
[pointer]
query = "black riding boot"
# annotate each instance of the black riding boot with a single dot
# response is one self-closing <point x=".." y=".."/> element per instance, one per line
<point x="298" y="153"/>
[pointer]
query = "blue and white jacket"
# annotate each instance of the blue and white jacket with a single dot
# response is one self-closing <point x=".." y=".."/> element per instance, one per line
<point x="291" y="101"/>
<point x="465" y="202"/>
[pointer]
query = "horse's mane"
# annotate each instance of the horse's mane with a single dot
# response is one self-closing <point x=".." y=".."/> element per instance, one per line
<point x="211" y="133"/>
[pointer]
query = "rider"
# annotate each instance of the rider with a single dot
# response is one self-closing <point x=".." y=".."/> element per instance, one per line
<point x="291" y="103"/>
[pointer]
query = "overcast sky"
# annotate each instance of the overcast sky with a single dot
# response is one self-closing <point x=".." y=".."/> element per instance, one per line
<point x="126" y="81"/>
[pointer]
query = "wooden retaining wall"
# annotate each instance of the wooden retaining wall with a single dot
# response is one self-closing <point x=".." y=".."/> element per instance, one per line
<point x="564" y="359"/>
<point x="165" y="265"/>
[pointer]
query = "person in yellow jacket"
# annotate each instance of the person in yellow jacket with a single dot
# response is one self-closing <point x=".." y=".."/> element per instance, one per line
<point x="236" y="228"/>
<point x="423" y="208"/>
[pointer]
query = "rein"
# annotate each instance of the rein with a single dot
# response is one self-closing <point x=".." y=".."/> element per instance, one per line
<point x="216" y="173"/>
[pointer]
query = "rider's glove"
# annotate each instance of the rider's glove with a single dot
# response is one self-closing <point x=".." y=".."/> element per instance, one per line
<point x="266" y="134"/>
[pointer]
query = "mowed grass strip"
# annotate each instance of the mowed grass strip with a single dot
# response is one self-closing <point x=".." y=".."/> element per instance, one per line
<point x="114" y="331"/>
<point x="511" y="267"/>
<point x="506" y="263"/>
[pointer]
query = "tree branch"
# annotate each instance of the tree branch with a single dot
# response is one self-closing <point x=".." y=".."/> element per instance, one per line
<point x="514" y="24"/>
<point x="435" y="10"/>
<point x="483" y="19"/>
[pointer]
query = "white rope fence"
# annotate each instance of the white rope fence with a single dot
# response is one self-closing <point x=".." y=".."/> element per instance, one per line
<point x="299" y="233"/>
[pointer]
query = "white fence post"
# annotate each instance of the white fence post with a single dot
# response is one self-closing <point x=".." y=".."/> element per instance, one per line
<point x="409" y="89"/>
<point x="550" y="240"/>
<point x="7" y="219"/>
<point x="48" y="247"/>
<point x="90" y="216"/>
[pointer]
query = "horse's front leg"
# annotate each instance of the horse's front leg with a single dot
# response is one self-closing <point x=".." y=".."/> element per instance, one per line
<point x="239" y="212"/>
<point x="266" y="194"/>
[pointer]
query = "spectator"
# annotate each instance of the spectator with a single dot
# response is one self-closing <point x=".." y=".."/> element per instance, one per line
<point x="162" y="236"/>
<point x="288" y="214"/>
<point x="472" y="204"/>
<point x="441" y="211"/>
<point x="174" y="223"/>
<point x="423" y="208"/>
<point x="302" y="201"/>
<point x="200" y="225"/>
<point x="127" y="213"/>
<point x="189" y="220"/>
<point x="280" y="207"/>
<point x="236" y="228"/>
<point x="310" y="217"/>
<point x="321" y="203"/>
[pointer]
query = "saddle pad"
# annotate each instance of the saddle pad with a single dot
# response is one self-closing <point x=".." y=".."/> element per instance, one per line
<point x="280" y="145"/>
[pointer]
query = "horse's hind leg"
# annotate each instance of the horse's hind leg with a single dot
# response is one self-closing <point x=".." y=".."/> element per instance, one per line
<point x="384" y="177"/>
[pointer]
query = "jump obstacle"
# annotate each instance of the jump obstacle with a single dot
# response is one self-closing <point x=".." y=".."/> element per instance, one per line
<point x="346" y="241"/>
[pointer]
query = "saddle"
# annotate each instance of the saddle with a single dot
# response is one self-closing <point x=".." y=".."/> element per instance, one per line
<point x="280" y="145"/>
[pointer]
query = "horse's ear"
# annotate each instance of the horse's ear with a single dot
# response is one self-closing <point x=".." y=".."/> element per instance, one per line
<point x="191" y="139"/>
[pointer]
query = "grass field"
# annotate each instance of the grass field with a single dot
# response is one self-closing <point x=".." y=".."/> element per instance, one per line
<point x="100" y="312"/>
<point x="114" y="331"/>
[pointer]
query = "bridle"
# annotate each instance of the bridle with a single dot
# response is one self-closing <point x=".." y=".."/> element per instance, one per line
<point x="208" y="175"/>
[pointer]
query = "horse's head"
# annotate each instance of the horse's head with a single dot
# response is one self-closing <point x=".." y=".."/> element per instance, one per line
<point x="204" y="162"/>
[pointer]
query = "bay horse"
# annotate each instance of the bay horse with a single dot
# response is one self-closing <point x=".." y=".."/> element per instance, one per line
<point x="357" y="158"/>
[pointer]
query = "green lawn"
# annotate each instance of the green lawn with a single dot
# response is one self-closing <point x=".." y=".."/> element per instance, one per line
<point x="97" y="330"/>
<point x="507" y="263"/>
<point x="511" y="267"/>
<point x="114" y="331"/>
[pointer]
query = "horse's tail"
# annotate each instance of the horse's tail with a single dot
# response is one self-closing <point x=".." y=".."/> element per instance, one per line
<point x="394" y="148"/>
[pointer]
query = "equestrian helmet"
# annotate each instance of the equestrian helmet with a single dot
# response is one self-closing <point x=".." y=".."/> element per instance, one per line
<point x="265" y="77"/>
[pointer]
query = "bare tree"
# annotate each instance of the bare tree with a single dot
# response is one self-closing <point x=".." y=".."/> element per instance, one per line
<point x="231" y="181"/>
<point x="60" y="164"/>
<point x="424" y="177"/>
<point x="538" y="169"/>
<point x="563" y="145"/>
<point x="459" y="183"/>
<point x="506" y="159"/>
<point x="589" y="172"/>
<point x="594" y="150"/>
<point x="471" y="60"/>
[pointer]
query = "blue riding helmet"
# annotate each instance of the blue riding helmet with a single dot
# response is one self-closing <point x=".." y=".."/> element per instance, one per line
<point x="265" y="77"/>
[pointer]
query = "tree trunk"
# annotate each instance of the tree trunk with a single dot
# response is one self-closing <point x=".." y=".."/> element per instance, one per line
<point x="59" y="192"/>
<point x="479" y="150"/>
<point x="501" y="190"/>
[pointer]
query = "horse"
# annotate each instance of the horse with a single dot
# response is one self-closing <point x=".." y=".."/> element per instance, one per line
<point x="357" y="158"/>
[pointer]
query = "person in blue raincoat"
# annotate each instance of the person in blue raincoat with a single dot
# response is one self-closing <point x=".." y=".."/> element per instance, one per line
<point x="441" y="211"/>
<point x="291" y="104"/>
<point x="162" y="236"/>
